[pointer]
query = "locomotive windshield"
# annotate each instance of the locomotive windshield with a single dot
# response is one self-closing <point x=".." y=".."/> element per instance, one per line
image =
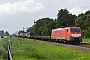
<point x="75" y="29"/>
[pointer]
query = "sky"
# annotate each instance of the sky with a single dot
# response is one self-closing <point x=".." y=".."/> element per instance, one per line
<point x="16" y="14"/>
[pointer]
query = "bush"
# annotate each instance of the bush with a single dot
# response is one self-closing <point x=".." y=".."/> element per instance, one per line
<point x="87" y="33"/>
<point x="3" y="53"/>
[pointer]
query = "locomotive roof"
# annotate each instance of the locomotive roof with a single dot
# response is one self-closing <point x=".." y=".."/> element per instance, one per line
<point x="59" y="29"/>
<point x="65" y="28"/>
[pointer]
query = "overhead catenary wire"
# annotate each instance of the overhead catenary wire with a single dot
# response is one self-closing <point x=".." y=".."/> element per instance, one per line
<point x="81" y="8"/>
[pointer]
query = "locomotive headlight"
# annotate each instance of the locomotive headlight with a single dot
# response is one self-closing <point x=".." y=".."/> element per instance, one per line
<point x="72" y="39"/>
<point x="80" y="40"/>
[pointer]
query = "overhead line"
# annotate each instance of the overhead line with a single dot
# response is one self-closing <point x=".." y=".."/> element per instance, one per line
<point x="82" y="8"/>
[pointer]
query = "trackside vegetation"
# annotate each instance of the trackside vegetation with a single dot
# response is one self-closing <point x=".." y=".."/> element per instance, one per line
<point x="26" y="49"/>
<point x="86" y="40"/>
<point x="3" y="49"/>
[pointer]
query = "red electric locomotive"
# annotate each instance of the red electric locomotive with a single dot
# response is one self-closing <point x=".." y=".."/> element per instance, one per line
<point x="67" y="34"/>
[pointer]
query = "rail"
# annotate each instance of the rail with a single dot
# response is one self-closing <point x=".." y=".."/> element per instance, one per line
<point x="9" y="53"/>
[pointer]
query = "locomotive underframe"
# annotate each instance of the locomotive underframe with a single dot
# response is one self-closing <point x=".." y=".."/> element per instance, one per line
<point x="76" y="40"/>
<point x="66" y="40"/>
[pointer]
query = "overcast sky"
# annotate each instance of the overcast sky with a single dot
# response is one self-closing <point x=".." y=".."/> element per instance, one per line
<point x="16" y="14"/>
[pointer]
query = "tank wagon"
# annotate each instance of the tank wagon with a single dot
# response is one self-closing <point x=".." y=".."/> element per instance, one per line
<point x="29" y="35"/>
<point x="67" y="35"/>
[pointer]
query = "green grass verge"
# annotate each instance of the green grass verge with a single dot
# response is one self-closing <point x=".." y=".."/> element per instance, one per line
<point x="87" y="40"/>
<point x="25" y="49"/>
<point x="3" y="49"/>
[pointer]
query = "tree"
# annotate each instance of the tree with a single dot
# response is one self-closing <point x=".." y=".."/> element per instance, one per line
<point x="46" y="31"/>
<point x="6" y="33"/>
<point x="40" y="26"/>
<point x="20" y="31"/>
<point x="30" y="29"/>
<point x="2" y="33"/>
<point x="87" y="12"/>
<point x="87" y="33"/>
<point x="81" y="15"/>
<point x="79" y="22"/>
<point x="87" y="22"/>
<point x="83" y="20"/>
<point x="64" y="18"/>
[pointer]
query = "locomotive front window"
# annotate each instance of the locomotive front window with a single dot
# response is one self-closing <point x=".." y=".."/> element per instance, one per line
<point x="75" y="29"/>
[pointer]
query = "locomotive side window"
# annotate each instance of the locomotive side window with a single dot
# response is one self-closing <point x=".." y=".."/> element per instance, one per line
<point x="75" y="29"/>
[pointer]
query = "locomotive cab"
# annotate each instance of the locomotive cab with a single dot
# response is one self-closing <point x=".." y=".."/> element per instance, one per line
<point x="75" y="36"/>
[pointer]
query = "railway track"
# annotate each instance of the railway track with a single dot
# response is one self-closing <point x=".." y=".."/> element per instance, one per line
<point x="82" y="46"/>
<point x="87" y="45"/>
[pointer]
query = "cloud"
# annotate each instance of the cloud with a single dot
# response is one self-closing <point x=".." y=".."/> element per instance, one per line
<point x="15" y="14"/>
<point x="21" y="6"/>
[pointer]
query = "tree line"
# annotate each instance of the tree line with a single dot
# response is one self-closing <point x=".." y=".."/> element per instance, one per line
<point x="43" y="26"/>
<point x="4" y="33"/>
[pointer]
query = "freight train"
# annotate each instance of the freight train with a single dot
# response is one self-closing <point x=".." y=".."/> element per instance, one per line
<point x="64" y="35"/>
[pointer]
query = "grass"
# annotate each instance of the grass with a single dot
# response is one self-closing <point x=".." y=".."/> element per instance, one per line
<point x="87" y="40"/>
<point x="25" y="49"/>
<point x="3" y="49"/>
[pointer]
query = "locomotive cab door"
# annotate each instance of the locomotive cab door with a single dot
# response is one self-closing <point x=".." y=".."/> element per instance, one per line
<point x="67" y="34"/>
